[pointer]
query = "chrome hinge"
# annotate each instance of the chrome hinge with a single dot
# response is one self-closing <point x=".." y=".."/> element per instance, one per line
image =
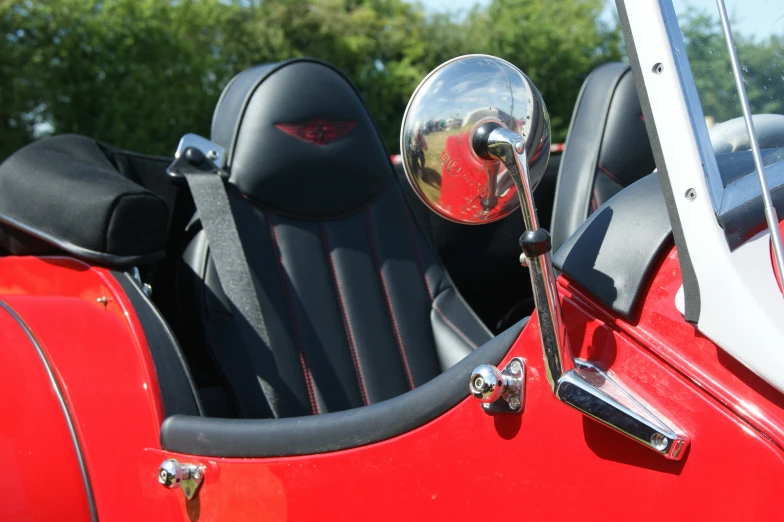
<point x="187" y="476"/>
<point x="499" y="391"/>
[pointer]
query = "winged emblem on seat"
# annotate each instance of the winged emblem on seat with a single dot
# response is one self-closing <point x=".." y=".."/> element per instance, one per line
<point x="319" y="131"/>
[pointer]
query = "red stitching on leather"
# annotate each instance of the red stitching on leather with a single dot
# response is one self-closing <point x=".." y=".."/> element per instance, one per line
<point x="457" y="330"/>
<point x="289" y="305"/>
<point x="420" y="261"/>
<point x="349" y="335"/>
<point x="610" y="174"/>
<point x="377" y="263"/>
<point x="594" y="201"/>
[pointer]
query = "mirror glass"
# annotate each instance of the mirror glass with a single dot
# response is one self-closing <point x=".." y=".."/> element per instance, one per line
<point x="435" y="141"/>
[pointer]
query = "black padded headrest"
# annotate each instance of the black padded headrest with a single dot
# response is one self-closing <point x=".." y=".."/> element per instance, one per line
<point x="625" y="150"/>
<point x="299" y="140"/>
<point x="69" y="193"/>
<point x="607" y="137"/>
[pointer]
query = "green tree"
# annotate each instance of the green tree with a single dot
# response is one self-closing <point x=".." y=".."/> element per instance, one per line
<point x="556" y="43"/>
<point x="761" y="61"/>
<point x="138" y="73"/>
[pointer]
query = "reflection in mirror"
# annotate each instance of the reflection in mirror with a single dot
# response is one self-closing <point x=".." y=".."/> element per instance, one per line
<point x="439" y="125"/>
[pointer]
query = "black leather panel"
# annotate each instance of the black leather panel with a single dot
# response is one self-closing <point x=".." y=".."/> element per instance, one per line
<point x="348" y="304"/>
<point x="367" y="311"/>
<point x="403" y="285"/>
<point x="614" y="251"/>
<point x="604" y="187"/>
<point x="607" y="148"/>
<point x="299" y="123"/>
<point x="246" y="438"/>
<point x="178" y="393"/>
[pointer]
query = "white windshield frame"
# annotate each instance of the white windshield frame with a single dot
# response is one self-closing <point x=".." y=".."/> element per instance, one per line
<point x="732" y="296"/>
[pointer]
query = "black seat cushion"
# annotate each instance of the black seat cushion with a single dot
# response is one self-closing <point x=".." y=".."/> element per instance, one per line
<point x="71" y="193"/>
<point x="358" y="308"/>
<point x="607" y="148"/>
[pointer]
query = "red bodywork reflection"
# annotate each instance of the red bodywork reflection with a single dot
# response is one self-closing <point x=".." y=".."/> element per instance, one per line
<point x="468" y="183"/>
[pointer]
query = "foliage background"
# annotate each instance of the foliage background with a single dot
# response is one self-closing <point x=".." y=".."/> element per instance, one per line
<point x="140" y="73"/>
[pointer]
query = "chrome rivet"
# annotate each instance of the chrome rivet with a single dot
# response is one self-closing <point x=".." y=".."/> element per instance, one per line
<point x="515" y="367"/>
<point x="659" y="442"/>
<point x="658" y="68"/>
<point x="514" y="403"/>
<point x="691" y="194"/>
<point x="212" y="154"/>
<point x="519" y="147"/>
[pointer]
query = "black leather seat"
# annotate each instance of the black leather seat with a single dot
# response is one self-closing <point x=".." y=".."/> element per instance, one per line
<point x="607" y="148"/>
<point x="357" y="305"/>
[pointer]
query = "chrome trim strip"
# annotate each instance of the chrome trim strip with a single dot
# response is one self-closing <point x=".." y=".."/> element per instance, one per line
<point x="66" y="412"/>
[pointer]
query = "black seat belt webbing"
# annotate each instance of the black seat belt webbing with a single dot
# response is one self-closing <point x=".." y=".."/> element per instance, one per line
<point x="214" y="209"/>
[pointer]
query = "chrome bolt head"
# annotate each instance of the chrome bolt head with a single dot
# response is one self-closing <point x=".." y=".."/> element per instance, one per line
<point x="659" y="442"/>
<point x="168" y="473"/>
<point x="515" y="367"/>
<point x="486" y="383"/>
<point x="514" y="403"/>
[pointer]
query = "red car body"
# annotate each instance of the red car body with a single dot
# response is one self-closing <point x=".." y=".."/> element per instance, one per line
<point x="551" y="460"/>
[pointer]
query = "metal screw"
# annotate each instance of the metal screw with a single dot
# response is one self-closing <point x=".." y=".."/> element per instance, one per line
<point x="659" y="441"/>
<point x="516" y="367"/>
<point x="523" y="260"/>
<point x="212" y="154"/>
<point x="658" y="68"/>
<point x="514" y="403"/>
<point x="691" y="194"/>
<point x="519" y="147"/>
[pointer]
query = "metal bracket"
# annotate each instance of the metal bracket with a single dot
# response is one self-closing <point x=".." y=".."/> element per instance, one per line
<point x="499" y="391"/>
<point x="188" y="477"/>
<point x="597" y="394"/>
<point x="197" y="155"/>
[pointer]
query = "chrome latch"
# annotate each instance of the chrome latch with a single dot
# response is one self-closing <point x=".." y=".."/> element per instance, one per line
<point x="499" y="391"/>
<point x="187" y="476"/>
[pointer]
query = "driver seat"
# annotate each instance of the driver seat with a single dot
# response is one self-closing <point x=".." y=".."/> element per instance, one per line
<point x="607" y="148"/>
<point x="358" y="307"/>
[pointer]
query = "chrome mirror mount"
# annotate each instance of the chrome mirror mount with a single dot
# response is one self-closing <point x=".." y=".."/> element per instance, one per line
<point x="475" y="133"/>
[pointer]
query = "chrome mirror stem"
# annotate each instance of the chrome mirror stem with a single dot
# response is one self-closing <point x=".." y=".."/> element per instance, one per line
<point x="580" y="384"/>
<point x="509" y="147"/>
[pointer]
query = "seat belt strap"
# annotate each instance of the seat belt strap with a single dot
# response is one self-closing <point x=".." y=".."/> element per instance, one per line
<point x="208" y="189"/>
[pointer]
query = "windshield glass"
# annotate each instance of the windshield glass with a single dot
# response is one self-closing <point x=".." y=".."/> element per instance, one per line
<point x="758" y="29"/>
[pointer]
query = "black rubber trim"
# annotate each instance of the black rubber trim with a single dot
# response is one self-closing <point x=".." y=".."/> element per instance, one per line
<point x="178" y="392"/>
<point x="691" y="289"/>
<point x="57" y="389"/>
<point x="83" y="253"/>
<point x="246" y="438"/>
<point x="614" y="251"/>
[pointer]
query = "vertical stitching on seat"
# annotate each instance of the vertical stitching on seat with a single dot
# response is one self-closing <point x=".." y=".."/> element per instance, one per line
<point x="420" y="261"/>
<point x="457" y="330"/>
<point x="377" y="263"/>
<point x="610" y="174"/>
<point x="290" y="306"/>
<point x="349" y="335"/>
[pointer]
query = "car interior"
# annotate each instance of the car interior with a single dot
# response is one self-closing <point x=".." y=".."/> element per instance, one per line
<point x="369" y="299"/>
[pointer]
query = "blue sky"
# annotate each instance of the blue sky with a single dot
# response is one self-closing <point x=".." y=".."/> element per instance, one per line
<point x="758" y="17"/>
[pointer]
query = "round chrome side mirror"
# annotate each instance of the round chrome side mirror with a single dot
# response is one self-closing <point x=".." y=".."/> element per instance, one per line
<point x="439" y="138"/>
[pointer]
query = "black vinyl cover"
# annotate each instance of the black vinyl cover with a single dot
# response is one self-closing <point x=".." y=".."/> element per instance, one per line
<point x="612" y="253"/>
<point x="338" y="430"/>
<point x="65" y="194"/>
